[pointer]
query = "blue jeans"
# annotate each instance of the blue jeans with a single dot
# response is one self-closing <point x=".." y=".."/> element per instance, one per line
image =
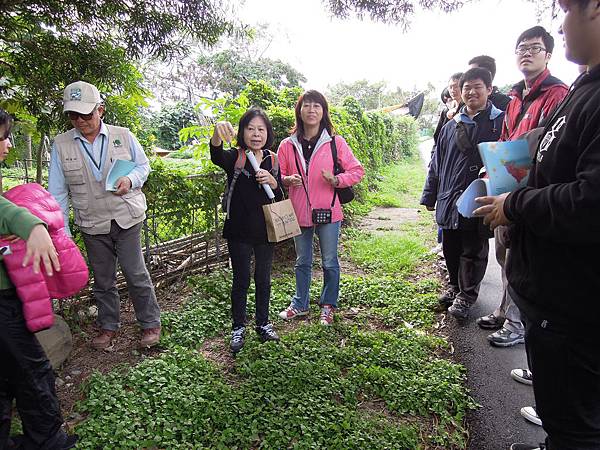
<point x="328" y="241"/>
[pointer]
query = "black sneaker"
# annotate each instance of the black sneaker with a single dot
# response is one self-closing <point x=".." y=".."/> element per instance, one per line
<point x="267" y="333"/>
<point x="237" y="339"/>
<point x="446" y="300"/>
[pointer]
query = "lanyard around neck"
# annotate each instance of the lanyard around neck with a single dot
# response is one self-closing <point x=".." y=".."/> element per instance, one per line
<point x="90" y="153"/>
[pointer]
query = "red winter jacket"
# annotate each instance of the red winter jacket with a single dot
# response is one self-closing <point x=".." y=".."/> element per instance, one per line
<point x="37" y="289"/>
<point x="524" y="114"/>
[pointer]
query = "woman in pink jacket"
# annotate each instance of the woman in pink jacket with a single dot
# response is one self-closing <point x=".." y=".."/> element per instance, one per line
<point x="306" y="164"/>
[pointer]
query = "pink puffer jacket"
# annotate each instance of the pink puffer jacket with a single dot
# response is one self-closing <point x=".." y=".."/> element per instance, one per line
<point x="37" y="289"/>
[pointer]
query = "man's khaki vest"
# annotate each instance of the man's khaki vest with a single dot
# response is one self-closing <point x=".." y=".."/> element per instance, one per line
<point x="93" y="205"/>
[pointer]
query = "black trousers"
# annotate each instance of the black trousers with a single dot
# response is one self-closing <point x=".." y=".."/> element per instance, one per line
<point x="466" y="254"/>
<point x="566" y="368"/>
<point x="241" y="257"/>
<point x="26" y="375"/>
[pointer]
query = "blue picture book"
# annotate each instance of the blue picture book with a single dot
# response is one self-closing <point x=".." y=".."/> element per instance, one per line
<point x="507" y="165"/>
<point x="120" y="168"/>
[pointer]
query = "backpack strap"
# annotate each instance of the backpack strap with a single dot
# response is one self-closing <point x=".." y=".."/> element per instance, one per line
<point x="238" y="168"/>
<point x="274" y="163"/>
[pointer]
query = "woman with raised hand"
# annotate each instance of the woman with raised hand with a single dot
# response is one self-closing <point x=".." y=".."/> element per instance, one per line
<point x="245" y="228"/>
<point x="307" y="170"/>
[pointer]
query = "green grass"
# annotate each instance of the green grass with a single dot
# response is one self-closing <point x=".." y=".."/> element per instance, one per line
<point x="400" y="185"/>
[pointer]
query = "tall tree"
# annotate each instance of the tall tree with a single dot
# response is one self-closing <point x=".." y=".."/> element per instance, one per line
<point x="142" y="27"/>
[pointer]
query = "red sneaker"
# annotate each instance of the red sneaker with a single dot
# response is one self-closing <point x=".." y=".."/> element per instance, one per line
<point x="327" y="315"/>
<point x="291" y="312"/>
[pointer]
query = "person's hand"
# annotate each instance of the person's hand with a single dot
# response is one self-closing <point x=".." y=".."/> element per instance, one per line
<point x="293" y="180"/>
<point x="41" y="248"/>
<point x="11" y="238"/>
<point x="430" y="208"/>
<point x="264" y="177"/>
<point x="123" y="185"/>
<point x="223" y="132"/>
<point x="492" y="210"/>
<point x="330" y="177"/>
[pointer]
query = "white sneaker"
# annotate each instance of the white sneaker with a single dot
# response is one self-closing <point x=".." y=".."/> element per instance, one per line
<point x="529" y="413"/>
<point x="522" y="376"/>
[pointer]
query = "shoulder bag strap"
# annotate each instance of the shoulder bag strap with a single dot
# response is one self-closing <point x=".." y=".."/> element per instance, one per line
<point x="301" y="176"/>
<point x="336" y="166"/>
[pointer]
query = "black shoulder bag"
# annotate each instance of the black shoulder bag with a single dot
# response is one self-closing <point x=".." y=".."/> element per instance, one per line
<point x="344" y="194"/>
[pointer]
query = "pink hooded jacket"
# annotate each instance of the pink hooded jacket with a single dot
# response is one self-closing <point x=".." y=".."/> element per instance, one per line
<point x="320" y="192"/>
<point x="37" y="289"/>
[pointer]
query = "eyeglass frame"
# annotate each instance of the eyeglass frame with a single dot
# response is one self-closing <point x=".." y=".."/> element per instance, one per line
<point x="529" y="48"/>
<point x="74" y="115"/>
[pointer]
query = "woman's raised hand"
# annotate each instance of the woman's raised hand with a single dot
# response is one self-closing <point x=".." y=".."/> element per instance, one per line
<point x="223" y="132"/>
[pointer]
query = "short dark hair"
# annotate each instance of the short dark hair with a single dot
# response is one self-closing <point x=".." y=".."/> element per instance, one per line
<point x="245" y="120"/>
<point x="456" y="76"/>
<point x="445" y="95"/>
<point x="476" y="73"/>
<point x="487" y="62"/>
<point x="317" y="97"/>
<point x="537" y="32"/>
<point x="6" y="123"/>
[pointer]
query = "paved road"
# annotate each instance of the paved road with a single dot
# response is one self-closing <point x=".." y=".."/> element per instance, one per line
<point x="498" y="423"/>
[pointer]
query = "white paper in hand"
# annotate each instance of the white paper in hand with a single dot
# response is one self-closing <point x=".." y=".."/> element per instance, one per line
<point x="466" y="202"/>
<point x="120" y="168"/>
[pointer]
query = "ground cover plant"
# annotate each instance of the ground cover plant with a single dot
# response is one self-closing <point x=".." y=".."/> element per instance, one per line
<point x="351" y="386"/>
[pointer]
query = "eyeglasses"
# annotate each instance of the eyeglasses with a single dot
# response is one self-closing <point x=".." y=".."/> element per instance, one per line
<point x="532" y="49"/>
<point x="75" y="115"/>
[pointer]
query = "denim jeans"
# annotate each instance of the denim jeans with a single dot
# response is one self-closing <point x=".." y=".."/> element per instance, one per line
<point x="241" y="258"/>
<point x="328" y="241"/>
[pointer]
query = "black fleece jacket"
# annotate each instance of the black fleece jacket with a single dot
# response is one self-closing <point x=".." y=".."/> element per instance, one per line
<point x="554" y="263"/>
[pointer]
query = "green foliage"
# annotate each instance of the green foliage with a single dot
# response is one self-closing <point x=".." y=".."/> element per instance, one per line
<point x="228" y="72"/>
<point x="387" y="11"/>
<point x="144" y="28"/>
<point x="167" y="122"/>
<point x="264" y="95"/>
<point x="317" y="388"/>
<point x="184" y="205"/>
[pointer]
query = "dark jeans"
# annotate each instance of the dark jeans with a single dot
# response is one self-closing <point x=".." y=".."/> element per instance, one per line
<point x="26" y="375"/>
<point x="566" y="366"/>
<point x="241" y="256"/>
<point x="466" y="254"/>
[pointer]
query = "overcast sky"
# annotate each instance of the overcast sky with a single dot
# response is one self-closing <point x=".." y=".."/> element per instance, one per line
<point x="437" y="44"/>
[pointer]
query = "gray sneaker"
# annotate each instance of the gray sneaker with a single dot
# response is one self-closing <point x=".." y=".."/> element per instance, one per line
<point x="237" y="339"/>
<point x="459" y="309"/>
<point x="505" y="338"/>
